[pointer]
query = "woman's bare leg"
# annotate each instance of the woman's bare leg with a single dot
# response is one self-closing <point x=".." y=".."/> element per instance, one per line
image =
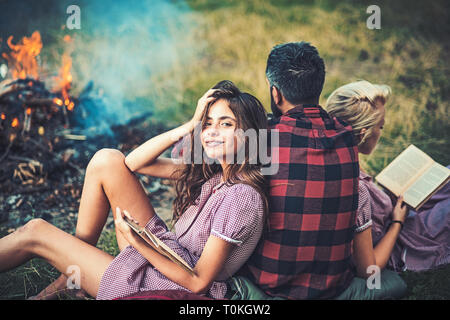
<point x="108" y="183"/>
<point x="39" y="238"/>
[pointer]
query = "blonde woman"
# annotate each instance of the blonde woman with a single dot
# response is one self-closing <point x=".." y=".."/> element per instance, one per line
<point x="383" y="233"/>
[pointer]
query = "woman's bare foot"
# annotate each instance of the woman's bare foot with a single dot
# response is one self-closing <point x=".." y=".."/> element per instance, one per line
<point x="58" y="289"/>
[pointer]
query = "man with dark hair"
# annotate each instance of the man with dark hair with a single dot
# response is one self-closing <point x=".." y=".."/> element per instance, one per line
<point x="305" y="252"/>
<point x="297" y="72"/>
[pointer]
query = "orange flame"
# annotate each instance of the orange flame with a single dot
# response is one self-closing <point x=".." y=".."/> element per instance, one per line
<point x="22" y="58"/>
<point x="64" y="81"/>
<point x="58" y="101"/>
<point x="15" y="122"/>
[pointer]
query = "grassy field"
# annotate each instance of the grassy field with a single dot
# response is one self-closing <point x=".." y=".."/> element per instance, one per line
<point x="32" y="277"/>
<point x="232" y="40"/>
<point x="409" y="53"/>
<point x="29" y="279"/>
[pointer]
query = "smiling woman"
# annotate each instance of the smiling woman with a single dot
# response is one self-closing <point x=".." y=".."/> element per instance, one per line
<point x="218" y="136"/>
<point x="225" y="117"/>
<point x="220" y="209"/>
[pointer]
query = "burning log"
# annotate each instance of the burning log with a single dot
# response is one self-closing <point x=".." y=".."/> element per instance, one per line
<point x="32" y="116"/>
<point x="25" y="100"/>
<point x="41" y="160"/>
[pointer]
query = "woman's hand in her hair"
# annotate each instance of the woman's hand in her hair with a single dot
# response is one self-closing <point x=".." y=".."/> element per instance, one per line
<point x="400" y="210"/>
<point x="201" y="105"/>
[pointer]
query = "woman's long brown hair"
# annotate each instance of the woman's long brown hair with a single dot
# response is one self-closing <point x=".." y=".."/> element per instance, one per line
<point x="250" y="114"/>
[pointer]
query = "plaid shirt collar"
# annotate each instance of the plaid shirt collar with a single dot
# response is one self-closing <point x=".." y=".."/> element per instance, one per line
<point x="307" y="109"/>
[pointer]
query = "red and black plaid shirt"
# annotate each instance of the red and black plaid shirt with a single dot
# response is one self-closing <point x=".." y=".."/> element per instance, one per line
<point x="305" y="253"/>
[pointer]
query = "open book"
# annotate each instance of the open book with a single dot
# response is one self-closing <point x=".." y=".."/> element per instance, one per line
<point x="158" y="245"/>
<point x="415" y="175"/>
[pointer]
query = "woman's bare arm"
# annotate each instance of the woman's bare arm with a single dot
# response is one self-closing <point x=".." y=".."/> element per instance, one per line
<point x="206" y="270"/>
<point x="365" y="255"/>
<point x="161" y="168"/>
<point x="145" y="158"/>
<point x="211" y="262"/>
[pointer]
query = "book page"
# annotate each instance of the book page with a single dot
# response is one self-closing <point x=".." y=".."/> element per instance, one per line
<point x="158" y="245"/>
<point x="426" y="184"/>
<point x="404" y="169"/>
<point x="139" y="230"/>
<point x="170" y="253"/>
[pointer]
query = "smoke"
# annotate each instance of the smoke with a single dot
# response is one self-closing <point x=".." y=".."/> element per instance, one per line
<point x="122" y="49"/>
<point x="125" y="57"/>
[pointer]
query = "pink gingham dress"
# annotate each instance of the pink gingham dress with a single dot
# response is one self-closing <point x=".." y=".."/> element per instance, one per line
<point x="372" y="202"/>
<point x="233" y="213"/>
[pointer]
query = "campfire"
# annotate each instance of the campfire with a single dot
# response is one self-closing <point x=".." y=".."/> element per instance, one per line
<point x="42" y="152"/>
<point x="25" y="97"/>
<point x="31" y="115"/>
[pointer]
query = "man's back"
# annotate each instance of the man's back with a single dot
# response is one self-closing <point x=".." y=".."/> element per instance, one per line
<point x="306" y="251"/>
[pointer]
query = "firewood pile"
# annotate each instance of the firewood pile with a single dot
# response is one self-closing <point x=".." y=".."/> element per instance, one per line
<point x="45" y="142"/>
<point x="29" y="125"/>
<point x="43" y="163"/>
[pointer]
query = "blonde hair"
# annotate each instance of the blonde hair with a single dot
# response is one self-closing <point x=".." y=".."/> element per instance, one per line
<point x="355" y="103"/>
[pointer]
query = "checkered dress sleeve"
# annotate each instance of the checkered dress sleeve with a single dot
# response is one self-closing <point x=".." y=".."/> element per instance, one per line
<point x="364" y="213"/>
<point x="239" y="215"/>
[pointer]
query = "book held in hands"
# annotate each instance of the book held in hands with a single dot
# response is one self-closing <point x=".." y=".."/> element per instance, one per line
<point x="414" y="174"/>
<point x="159" y="245"/>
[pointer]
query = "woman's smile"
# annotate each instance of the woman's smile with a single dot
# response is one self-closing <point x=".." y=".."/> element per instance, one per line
<point x="213" y="143"/>
<point x="218" y="135"/>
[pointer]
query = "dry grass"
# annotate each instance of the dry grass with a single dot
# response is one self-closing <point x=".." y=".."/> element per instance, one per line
<point x="235" y="37"/>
